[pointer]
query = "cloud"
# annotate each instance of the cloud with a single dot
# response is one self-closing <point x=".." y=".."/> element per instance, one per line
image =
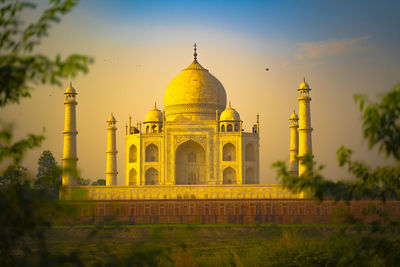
<point x="331" y="47"/>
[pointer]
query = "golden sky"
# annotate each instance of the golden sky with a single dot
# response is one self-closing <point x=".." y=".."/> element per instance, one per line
<point x="140" y="46"/>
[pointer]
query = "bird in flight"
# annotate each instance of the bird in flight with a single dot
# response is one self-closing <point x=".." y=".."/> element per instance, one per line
<point x="267" y="69"/>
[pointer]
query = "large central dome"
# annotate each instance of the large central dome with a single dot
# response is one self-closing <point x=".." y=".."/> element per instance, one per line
<point x="194" y="94"/>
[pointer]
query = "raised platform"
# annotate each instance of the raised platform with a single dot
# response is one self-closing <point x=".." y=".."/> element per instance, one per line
<point x="257" y="191"/>
<point x="233" y="211"/>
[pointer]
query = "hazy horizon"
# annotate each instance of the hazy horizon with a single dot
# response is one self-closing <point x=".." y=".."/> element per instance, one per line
<point x="341" y="47"/>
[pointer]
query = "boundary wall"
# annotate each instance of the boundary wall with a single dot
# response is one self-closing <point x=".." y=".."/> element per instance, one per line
<point x="231" y="211"/>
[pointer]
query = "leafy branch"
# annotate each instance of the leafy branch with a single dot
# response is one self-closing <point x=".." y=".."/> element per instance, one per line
<point x="20" y="69"/>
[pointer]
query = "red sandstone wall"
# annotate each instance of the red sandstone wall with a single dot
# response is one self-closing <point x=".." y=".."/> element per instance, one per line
<point x="239" y="211"/>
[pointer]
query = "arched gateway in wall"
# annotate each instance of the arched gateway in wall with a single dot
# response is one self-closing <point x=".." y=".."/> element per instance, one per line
<point x="190" y="164"/>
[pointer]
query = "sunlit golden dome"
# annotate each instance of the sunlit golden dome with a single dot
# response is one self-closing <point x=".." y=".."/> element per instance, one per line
<point x="194" y="94"/>
<point x="304" y="85"/>
<point x="229" y="114"/>
<point x="154" y="115"/>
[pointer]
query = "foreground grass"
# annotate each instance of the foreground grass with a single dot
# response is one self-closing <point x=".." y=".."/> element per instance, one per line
<point x="224" y="245"/>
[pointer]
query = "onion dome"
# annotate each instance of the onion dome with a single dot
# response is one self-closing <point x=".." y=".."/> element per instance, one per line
<point x="304" y="85"/>
<point x="70" y="89"/>
<point x="229" y="114"/>
<point x="195" y="93"/>
<point x="154" y="115"/>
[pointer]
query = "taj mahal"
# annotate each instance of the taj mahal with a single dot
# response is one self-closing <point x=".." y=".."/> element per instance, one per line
<point x="196" y="148"/>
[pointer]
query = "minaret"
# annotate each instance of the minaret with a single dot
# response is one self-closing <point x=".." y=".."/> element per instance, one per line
<point x="304" y="129"/>
<point x="111" y="165"/>
<point x="256" y="127"/>
<point x="294" y="144"/>
<point x="69" y="158"/>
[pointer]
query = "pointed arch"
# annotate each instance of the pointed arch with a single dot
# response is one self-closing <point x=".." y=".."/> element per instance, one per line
<point x="151" y="176"/>
<point x="132" y="154"/>
<point x="190" y="163"/>
<point x="229" y="176"/>
<point x="229" y="128"/>
<point x="223" y="128"/>
<point x="249" y="152"/>
<point x="229" y="152"/>
<point x="250" y="176"/>
<point x="151" y="153"/>
<point x="132" y="177"/>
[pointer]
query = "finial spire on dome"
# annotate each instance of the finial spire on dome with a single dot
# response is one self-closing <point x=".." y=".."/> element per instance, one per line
<point x="195" y="51"/>
<point x="229" y="103"/>
<point x="155" y="104"/>
<point x="304" y="85"/>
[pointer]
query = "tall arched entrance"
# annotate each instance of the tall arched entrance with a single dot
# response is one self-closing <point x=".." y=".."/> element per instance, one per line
<point x="190" y="163"/>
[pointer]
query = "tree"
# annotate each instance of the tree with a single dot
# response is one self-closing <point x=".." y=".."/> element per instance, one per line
<point x="21" y="68"/>
<point x="82" y="181"/>
<point x="26" y="212"/>
<point x="49" y="174"/>
<point x="13" y="174"/>
<point x="46" y="164"/>
<point x="99" y="182"/>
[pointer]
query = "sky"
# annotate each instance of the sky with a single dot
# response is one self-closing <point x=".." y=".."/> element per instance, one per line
<point x="342" y="48"/>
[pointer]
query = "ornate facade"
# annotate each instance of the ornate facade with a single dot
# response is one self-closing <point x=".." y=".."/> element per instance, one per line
<point x="195" y="141"/>
<point x="195" y="148"/>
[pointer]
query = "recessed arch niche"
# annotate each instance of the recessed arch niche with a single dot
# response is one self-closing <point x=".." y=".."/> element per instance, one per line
<point x="229" y="152"/>
<point x="229" y="176"/>
<point x="250" y="176"/>
<point x="151" y="153"/>
<point x="151" y="176"/>
<point x="132" y="154"/>
<point x="132" y="177"/>
<point x="190" y="163"/>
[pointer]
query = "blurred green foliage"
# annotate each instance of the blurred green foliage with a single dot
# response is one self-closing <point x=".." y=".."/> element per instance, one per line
<point x="28" y="206"/>
<point x="375" y="244"/>
<point x="233" y="245"/>
<point x="99" y="182"/>
<point x="20" y="67"/>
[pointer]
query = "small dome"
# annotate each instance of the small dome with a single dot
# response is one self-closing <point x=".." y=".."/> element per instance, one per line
<point x="111" y="118"/>
<point x="229" y="114"/>
<point x="70" y="89"/>
<point x="294" y="116"/>
<point x="304" y="85"/>
<point x="154" y="115"/>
